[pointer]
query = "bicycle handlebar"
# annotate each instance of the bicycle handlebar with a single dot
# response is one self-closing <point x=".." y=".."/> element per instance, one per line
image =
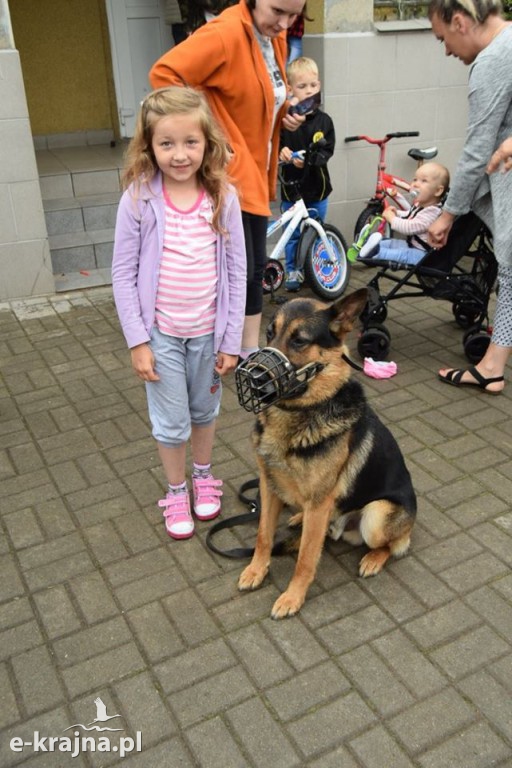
<point x="387" y="137"/>
<point x="301" y="153"/>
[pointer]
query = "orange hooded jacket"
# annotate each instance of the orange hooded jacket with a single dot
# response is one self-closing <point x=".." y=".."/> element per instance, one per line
<point x="223" y="59"/>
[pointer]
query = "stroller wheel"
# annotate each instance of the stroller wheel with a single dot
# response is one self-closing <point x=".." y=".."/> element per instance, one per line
<point x="273" y="276"/>
<point x="475" y="343"/>
<point x="371" y="326"/>
<point x="374" y="315"/>
<point x="467" y="315"/>
<point x="374" y="342"/>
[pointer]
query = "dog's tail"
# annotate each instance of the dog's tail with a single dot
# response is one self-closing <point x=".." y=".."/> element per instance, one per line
<point x="288" y="546"/>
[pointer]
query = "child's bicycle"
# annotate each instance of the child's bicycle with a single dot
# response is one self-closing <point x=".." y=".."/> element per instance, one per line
<point x="321" y="252"/>
<point x="389" y="187"/>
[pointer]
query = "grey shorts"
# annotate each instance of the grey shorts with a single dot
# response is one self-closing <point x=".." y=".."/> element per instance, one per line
<point x="189" y="389"/>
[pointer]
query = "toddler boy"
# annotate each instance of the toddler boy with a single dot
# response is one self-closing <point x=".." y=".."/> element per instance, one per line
<point x="307" y="178"/>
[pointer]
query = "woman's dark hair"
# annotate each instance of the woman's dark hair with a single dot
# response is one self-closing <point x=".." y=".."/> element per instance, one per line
<point x="478" y="10"/>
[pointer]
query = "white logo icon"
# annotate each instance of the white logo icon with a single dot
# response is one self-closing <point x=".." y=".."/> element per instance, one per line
<point x="101" y="717"/>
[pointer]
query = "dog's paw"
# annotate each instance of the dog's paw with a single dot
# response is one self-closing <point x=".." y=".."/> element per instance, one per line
<point x="251" y="578"/>
<point x="286" y="605"/>
<point x="373" y="563"/>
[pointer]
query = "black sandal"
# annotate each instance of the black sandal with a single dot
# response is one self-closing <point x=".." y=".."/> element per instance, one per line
<point x="454" y="377"/>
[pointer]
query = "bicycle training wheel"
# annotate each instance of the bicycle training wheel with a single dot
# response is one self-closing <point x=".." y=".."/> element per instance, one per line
<point x="327" y="278"/>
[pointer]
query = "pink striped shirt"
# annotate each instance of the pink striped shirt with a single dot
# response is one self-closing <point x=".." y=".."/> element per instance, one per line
<point x="415" y="222"/>
<point x="187" y="282"/>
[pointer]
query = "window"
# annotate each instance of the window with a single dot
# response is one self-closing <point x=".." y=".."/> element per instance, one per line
<point x="400" y="10"/>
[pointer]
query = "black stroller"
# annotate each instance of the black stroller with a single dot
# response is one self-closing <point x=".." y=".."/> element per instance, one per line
<point x="462" y="272"/>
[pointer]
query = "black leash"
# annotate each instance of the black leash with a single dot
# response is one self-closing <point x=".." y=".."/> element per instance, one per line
<point x="352" y="363"/>
<point x="253" y="502"/>
<point x="247" y="517"/>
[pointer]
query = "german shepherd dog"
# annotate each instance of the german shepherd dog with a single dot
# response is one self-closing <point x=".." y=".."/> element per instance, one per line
<point x="323" y="451"/>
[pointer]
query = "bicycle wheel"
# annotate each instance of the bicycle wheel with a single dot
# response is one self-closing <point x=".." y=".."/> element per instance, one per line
<point x="326" y="278"/>
<point x="273" y="276"/>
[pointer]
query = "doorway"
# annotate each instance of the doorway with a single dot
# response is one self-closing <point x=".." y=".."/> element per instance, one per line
<point x="138" y="37"/>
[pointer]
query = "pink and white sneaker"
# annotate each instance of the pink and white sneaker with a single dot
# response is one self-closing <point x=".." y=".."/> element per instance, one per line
<point x="207" y="493"/>
<point x="178" y="519"/>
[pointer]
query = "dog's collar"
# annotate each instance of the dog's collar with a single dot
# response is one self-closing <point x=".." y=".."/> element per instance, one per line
<point x="352" y="363"/>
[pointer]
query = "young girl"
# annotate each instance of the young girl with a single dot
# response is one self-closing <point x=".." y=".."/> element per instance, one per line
<point x="179" y="280"/>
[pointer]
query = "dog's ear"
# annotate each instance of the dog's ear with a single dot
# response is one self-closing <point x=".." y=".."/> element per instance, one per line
<point x="346" y="310"/>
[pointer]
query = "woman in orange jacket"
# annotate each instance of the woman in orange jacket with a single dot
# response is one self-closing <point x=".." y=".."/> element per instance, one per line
<point x="238" y="60"/>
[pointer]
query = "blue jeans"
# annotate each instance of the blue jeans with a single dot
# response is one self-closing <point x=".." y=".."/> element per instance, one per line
<point x="399" y="252"/>
<point x="291" y="246"/>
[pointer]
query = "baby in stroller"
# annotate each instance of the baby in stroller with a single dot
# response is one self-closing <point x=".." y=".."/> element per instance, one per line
<point x="463" y="272"/>
<point x="429" y="188"/>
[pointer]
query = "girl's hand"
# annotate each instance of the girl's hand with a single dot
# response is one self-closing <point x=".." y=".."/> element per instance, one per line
<point x="143" y="362"/>
<point x="438" y="231"/>
<point x="225" y="363"/>
<point x="389" y="214"/>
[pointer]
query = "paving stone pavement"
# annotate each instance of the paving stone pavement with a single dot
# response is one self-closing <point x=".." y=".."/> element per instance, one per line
<point x="100" y="612"/>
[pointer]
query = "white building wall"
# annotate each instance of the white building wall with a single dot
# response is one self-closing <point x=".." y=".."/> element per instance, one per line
<point x="25" y="265"/>
<point x="375" y="83"/>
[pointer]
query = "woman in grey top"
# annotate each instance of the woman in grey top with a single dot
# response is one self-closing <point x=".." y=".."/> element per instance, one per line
<point x="475" y="32"/>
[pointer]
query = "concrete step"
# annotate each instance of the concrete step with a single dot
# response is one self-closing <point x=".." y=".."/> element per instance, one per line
<point x="79" y="183"/>
<point x="80" y="187"/>
<point x="86" y="278"/>
<point x="79" y="214"/>
<point x="81" y="251"/>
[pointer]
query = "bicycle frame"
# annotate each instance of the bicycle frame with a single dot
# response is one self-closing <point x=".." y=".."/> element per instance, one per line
<point x="388" y="186"/>
<point x="297" y="215"/>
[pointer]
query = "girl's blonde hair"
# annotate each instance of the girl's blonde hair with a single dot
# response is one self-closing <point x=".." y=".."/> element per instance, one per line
<point x="478" y="10"/>
<point x="140" y="163"/>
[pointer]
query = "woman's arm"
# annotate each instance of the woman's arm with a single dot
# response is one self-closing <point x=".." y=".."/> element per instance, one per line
<point x="490" y="93"/>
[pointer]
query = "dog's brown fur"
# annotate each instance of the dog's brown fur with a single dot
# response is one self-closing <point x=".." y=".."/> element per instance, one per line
<point x="325" y="453"/>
